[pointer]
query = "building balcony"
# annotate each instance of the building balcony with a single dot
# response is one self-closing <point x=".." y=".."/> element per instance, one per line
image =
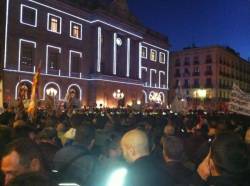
<point x="186" y="63"/>
<point x="209" y="73"/>
<point x="196" y="86"/>
<point x="208" y="61"/>
<point x="196" y="73"/>
<point x="53" y="71"/>
<point x="177" y="75"/>
<point x="185" y="86"/>
<point x="196" y="62"/>
<point x="209" y="86"/>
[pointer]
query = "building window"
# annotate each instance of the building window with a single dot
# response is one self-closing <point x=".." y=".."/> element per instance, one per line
<point x="209" y="59"/>
<point x="196" y="60"/>
<point x="144" y="52"/>
<point x="28" y="16"/>
<point x="75" y="30"/>
<point x="153" y="55"/>
<point x="187" y="61"/>
<point x="162" y="57"/>
<point x="196" y="83"/>
<point x="27" y="54"/>
<point x="54" y="23"/>
<point x="208" y="83"/>
<point x="177" y="63"/>
<point x="75" y="63"/>
<point x="186" y="83"/>
<point x="53" y="60"/>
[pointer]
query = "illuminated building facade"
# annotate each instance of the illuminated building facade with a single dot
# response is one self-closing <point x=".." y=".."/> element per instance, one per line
<point x="95" y="51"/>
<point x="208" y="74"/>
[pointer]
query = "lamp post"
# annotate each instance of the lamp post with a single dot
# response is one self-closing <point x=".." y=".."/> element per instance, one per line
<point x="118" y="95"/>
<point x="201" y="94"/>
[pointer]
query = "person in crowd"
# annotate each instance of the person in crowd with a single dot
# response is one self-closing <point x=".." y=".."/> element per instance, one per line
<point x="24" y="130"/>
<point x="48" y="143"/>
<point x="30" y="179"/>
<point x="22" y="156"/>
<point x="75" y="162"/>
<point x="142" y="169"/>
<point x="8" y="115"/>
<point x="173" y="152"/>
<point x="226" y="164"/>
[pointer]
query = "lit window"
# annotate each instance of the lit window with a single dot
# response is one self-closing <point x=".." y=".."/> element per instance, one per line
<point x="144" y="52"/>
<point x="162" y="57"/>
<point x="153" y="55"/>
<point x="28" y="15"/>
<point x="75" y="30"/>
<point x="54" y="23"/>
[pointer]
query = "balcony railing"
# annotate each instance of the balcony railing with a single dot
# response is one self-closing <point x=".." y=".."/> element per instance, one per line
<point x="209" y="86"/>
<point x="196" y="86"/>
<point x="177" y="75"/>
<point x="196" y="62"/>
<point x="209" y="73"/>
<point x="196" y="73"/>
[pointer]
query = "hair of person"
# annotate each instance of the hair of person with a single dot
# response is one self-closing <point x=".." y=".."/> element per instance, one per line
<point x="76" y="120"/>
<point x="48" y="133"/>
<point x="26" y="149"/>
<point x="229" y="154"/>
<point x="173" y="147"/>
<point x="30" y="179"/>
<point x="85" y="133"/>
<point x="23" y="131"/>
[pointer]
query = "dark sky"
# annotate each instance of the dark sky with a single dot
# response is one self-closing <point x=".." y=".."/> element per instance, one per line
<point x="203" y="22"/>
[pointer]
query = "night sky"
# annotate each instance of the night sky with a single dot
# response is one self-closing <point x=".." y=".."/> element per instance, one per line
<point x="203" y="22"/>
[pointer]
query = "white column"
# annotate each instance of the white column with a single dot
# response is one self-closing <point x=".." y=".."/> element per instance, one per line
<point x="6" y="33"/>
<point x="128" y="57"/>
<point x="99" y="52"/>
<point x="114" y="53"/>
<point x="140" y="47"/>
<point x="167" y="69"/>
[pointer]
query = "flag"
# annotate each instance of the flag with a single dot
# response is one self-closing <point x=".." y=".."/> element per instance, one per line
<point x="34" y="92"/>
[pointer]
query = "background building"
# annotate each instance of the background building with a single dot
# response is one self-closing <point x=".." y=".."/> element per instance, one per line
<point x="207" y="74"/>
<point x="94" y="47"/>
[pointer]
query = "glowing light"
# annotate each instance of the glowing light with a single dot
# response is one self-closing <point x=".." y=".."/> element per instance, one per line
<point x="140" y="51"/>
<point x="48" y="23"/>
<point x="128" y="57"/>
<point x="117" y="178"/>
<point x="138" y="102"/>
<point x="6" y="32"/>
<point x="168" y="70"/>
<point x="100" y="103"/>
<point x="155" y="97"/>
<point x="68" y="184"/>
<point x="153" y="55"/>
<point x="155" y="46"/>
<point x="114" y="53"/>
<point x="201" y="93"/>
<point x="99" y="52"/>
<point x="51" y="83"/>
<point x="118" y="94"/>
<point x="71" y="25"/>
<point x="119" y="41"/>
<point x="51" y="92"/>
<point x="85" y="20"/>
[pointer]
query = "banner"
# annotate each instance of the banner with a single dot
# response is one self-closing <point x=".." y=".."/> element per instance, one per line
<point x="239" y="101"/>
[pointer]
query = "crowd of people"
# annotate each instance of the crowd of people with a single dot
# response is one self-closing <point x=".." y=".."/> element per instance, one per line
<point x="123" y="147"/>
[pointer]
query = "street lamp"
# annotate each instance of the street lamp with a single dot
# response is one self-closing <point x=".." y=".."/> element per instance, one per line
<point x="118" y="94"/>
<point x="51" y="92"/>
